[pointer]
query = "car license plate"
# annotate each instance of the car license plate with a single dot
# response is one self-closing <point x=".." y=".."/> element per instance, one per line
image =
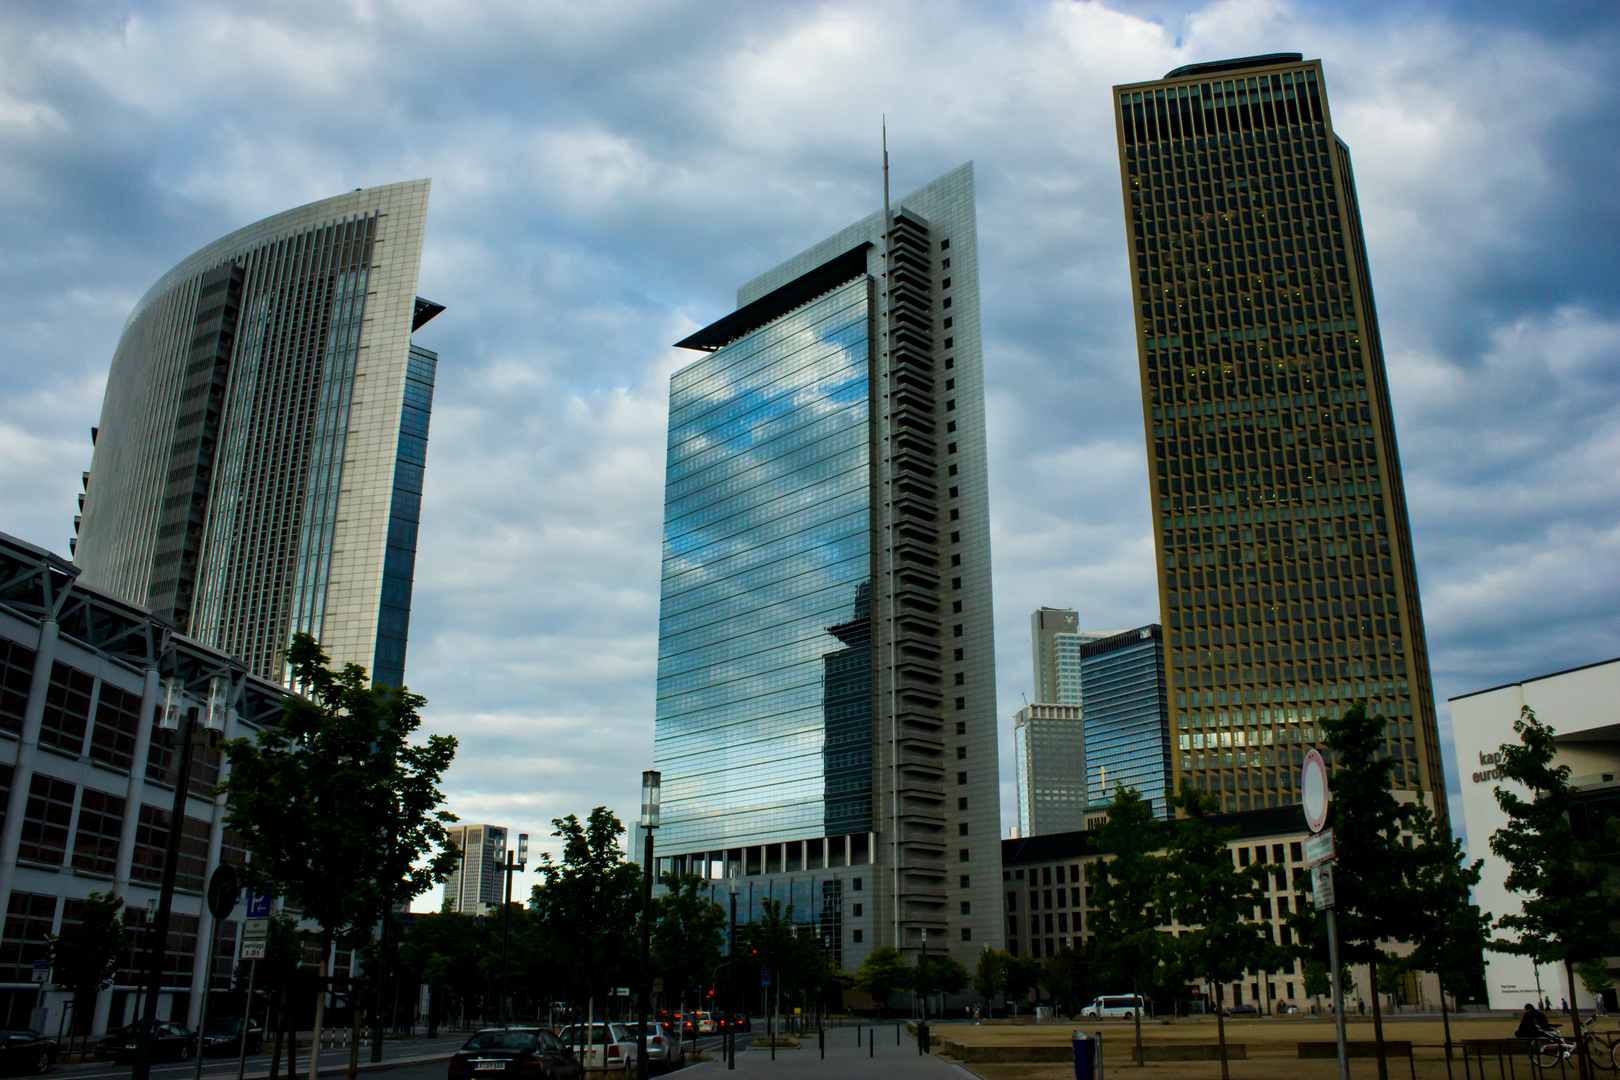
<point x="480" y="1066"/>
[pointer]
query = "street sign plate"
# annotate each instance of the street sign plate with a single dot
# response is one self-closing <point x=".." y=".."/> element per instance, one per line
<point x="1313" y="786"/>
<point x="1319" y="848"/>
<point x="252" y="950"/>
<point x="764" y="976"/>
<point x="255" y="929"/>
<point x="258" y="906"/>
<point x="1322" y="885"/>
<point x="42" y="971"/>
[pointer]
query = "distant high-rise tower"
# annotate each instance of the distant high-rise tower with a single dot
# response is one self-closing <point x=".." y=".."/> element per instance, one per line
<point x="258" y="465"/>
<point x="476" y="881"/>
<point x="1055" y="640"/>
<point x="826" y="670"/>
<point x="1286" y="574"/>
<point x="1049" y="742"/>
<point x="1127" y="717"/>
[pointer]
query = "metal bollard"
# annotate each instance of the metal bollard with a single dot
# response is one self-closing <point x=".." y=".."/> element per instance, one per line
<point x="871" y="1043"/>
<point x="821" y="1037"/>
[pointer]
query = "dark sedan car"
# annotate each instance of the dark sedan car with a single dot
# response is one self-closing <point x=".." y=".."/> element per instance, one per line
<point x="24" y="1051"/>
<point x="513" y="1052"/>
<point x="1242" y="1010"/>
<point x="223" y="1037"/>
<point x="172" y="1042"/>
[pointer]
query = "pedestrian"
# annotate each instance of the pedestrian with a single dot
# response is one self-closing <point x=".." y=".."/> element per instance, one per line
<point x="1563" y="1005"/>
<point x="1601" y="1009"/>
<point x="1361" y="1007"/>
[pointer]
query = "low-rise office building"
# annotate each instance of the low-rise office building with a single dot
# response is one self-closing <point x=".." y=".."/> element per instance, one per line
<point x="1579" y="705"/>
<point x="1048" y="888"/>
<point x="87" y="779"/>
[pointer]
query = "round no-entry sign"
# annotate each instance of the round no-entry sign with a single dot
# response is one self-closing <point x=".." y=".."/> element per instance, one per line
<point x="1313" y="785"/>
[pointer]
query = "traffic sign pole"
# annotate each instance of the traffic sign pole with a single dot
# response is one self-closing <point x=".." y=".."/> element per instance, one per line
<point x="1319" y="851"/>
<point x="247" y="1020"/>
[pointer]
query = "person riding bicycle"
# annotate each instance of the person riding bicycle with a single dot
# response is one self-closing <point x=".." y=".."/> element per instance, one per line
<point x="1533" y="1024"/>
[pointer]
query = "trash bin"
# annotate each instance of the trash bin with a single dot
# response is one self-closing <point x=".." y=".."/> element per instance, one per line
<point x="1087" y="1055"/>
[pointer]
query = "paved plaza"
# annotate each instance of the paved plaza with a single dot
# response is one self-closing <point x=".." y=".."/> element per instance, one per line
<point x="882" y="1060"/>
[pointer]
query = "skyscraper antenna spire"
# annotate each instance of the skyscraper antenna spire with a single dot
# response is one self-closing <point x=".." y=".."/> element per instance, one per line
<point x="888" y="219"/>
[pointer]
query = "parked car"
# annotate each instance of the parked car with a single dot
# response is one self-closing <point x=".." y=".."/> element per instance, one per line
<point x="1287" y="1009"/>
<point x="512" y="1051"/>
<point x="664" y="1051"/>
<point x="223" y="1037"/>
<point x="1242" y="1010"/>
<point x="1114" y="1006"/>
<point x="170" y="1042"/>
<point x="616" y="1039"/>
<point x="26" y="1051"/>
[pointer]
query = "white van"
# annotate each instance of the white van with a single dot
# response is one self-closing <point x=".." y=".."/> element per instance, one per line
<point x="1114" y="1007"/>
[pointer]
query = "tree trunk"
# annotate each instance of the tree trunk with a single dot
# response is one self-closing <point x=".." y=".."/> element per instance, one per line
<point x="1445" y="1018"/>
<point x="1136" y="1015"/>
<point x="1220" y="1025"/>
<point x="281" y="1027"/>
<point x="1378" y="1017"/>
<point x="1575" y="1020"/>
<point x="320" y="1008"/>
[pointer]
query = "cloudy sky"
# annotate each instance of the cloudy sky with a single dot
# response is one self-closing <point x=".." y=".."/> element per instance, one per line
<point x="605" y="174"/>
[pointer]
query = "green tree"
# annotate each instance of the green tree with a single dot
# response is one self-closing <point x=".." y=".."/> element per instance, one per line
<point x="86" y="954"/>
<point x="1317" y="981"/>
<point x="688" y="933"/>
<point x="1450" y="932"/>
<point x="937" y="973"/>
<point x="1569" y="908"/>
<point x="883" y="974"/>
<point x="590" y="903"/>
<point x="440" y="951"/>
<point x="338" y="806"/>
<point x="1066" y="977"/>
<point x="1216" y="902"/>
<point x="1022" y="974"/>
<point x="1376" y="896"/>
<point x="990" y="977"/>
<point x="1126" y="917"/>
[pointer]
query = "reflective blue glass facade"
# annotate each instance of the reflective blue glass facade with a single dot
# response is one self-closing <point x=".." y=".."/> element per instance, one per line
<point x="1127" y="716"/>
<point x="764" y="660"/>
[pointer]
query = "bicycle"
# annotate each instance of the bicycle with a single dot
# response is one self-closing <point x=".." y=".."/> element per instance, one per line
<point x="1550" y="1048"/>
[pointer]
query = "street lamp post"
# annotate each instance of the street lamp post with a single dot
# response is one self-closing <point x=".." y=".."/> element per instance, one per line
<point x="506" y="930"/>
<point x="650" y="784"/>
<point x="731" y="991"/>
<point x="142" y="1069"/>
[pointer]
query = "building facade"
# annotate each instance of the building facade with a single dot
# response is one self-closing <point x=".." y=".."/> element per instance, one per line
<point x="87" y="774"/>
<point x="257" y="469"/>
<point x="1286" y="575"/>
<point x="1048" y="892"/>
<point x="1127" y="718"/>
<point x="1579" y="706"/>
<point x="826" y="671"/>
<point x="477" y="882"/>
<point x="1049" y="742"/>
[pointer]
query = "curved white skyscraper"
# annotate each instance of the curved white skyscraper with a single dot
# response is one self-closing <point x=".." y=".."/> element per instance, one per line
<point x="258" y="465"/>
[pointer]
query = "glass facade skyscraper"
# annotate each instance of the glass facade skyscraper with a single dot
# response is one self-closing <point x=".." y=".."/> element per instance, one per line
<point x="1049" y="744"/>
<point x="1286" y="572"/>
<point x="258" y="464"/>
<point x="1127" y="717"/>
<point x="826" y="690"/>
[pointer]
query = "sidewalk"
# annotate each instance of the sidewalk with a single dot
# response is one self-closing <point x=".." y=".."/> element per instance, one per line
<point x="334" y="1063"/>
<point x="882" y="1061"/>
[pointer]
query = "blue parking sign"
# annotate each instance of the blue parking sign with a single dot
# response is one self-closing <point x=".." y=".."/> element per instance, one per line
<point x="764" y="976"/>
<point x="258" y="907"/>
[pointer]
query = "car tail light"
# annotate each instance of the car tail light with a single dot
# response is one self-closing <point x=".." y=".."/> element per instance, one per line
<point x="526" y="1067"/>
<point x="613" y="1051"/>
<point x="455" y="1069"/>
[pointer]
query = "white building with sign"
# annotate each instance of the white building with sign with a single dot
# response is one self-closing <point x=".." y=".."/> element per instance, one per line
<point x="1582" y="706"/>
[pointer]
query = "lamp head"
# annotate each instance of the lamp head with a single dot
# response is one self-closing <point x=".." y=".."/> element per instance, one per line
<point x="650" y="783"/>
<point x="523" y="848"/>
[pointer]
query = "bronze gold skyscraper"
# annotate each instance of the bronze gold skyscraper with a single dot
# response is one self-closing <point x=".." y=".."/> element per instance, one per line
<point x="1284" y="548"/>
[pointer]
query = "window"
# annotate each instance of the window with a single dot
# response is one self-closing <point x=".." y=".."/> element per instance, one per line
<point x="967" y="907"/>
<point x="967" y="933"/>
<point x="961" y="828"/>
<point x="961" y="804"/>
<point x="962" y="855"/>
<point x="856" y="886"/>
<point x="45" y="820"/>
<point x="95" y="842"/>
<point x="857" y="911"/>
<point x="855" y="936"/>
<point x="962" y="882"/>
<point x="67" y="709"/>
<point x="118" y="718"/>
<point x="16" y="673"/>
<point x="961" y="778"/>
<point x="28" y="923"/>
